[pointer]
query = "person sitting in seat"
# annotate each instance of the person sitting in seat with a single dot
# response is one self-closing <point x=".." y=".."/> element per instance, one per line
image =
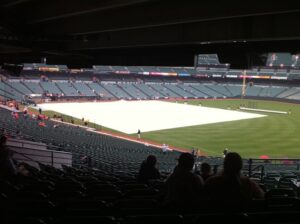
<point x="7" y="166"/>
<point x="148" y="171"/>
<point x="205" y="171"/>
<point x="231" y="188"/>
<point x="183" y="187"/>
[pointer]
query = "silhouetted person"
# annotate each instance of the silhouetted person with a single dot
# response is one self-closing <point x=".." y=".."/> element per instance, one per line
<point x="205" y="171"/>
<point x="231" y="188"/>
<point x="183" y="187"/>
<point x="86" y="160"/>
<point x="7" y="166"/>
<point x="148" y="171"/>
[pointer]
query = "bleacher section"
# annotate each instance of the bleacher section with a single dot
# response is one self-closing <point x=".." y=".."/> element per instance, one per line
<point x="3" y="92"/>
<point x="155" y="89"/>
<point x="135" y="69"/>
<point x="272" y="92"/>
<point x="67" y="88"/>
<point x="100" y="90"/>
<point x="102" y="69"/>
<point x="235" y="90"/>
<point x="294" y="74"/>
<point x="19" y="86"/>
<point x="209" y="93"/>
<point x="289" y="92"/>
<point x="149" y="69"/>
<point x="253" y="91"/>
<point x="278" y="66"/>
<point x="8" y="90"/>
<point x="50" y="87"/>
<point x="279" y="59"/>
<point x="182" y="93"/>
<point x="34" y="86"/>
<point x="208" y="60"/>
<point x="220" y="89"/>
<point x="188" y="87"/>
<point x="105" y="151"/>
<point x="134" y="92"/>
<point x="83" y="89"/>
<point x="295" y="96"/>
<point x="152" y="94"/>
<point x="208" y="79"/>
<point x="164" y="91"/>
<point x="115" y="90"/>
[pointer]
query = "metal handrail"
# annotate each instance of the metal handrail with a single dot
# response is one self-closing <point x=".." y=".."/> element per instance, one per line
<point x="27" y="157"/>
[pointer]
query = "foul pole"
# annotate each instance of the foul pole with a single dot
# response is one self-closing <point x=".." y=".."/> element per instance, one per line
<point x="244" y="85"/>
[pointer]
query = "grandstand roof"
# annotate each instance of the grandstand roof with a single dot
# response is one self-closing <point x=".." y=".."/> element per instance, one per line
<point x="142" y="32"/>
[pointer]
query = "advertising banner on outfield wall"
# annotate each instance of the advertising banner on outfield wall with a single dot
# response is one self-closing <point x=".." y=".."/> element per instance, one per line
<point x="255" y="76"/>
<point x="279" y="78"/>
<point x="164" y="73"/>
<point x="184" y="74"/>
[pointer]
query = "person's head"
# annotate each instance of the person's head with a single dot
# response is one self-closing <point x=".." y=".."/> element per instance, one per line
<point x="233" y="163"/>
<point x="205" y="168"/>
<point x="186" y="161"/>
<point x="151" y="160"/>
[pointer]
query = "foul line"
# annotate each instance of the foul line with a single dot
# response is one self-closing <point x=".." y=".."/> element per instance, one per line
<point x="261" y="110"/>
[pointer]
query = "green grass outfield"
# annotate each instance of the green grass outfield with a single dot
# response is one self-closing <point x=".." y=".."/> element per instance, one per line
<point x="277" y="135"/>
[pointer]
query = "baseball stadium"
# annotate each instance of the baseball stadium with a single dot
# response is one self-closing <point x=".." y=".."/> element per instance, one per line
<point x="133" y="111"/>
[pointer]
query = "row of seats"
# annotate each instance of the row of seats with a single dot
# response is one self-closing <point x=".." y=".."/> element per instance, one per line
<point x="80" y="195"/>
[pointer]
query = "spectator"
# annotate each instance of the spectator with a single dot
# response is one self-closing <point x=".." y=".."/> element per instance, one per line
<point x="164" y="148"/>
<point x="7" y="166"/>
<point x="230" y="187"/>
<point x="22" y="169"/>
<point x="25" y="111"/>
<point x="184" y="187"/>
<point x="193" y="152"/>
<point x="86" y="160"/>
<point x="148" y="171"/>
<point x="205" y="171"/>
<point x="42" y="124"/>
<point x="139" y="134"/>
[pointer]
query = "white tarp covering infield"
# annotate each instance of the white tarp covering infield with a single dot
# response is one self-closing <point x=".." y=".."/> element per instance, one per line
<point x="129" y="116"/>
